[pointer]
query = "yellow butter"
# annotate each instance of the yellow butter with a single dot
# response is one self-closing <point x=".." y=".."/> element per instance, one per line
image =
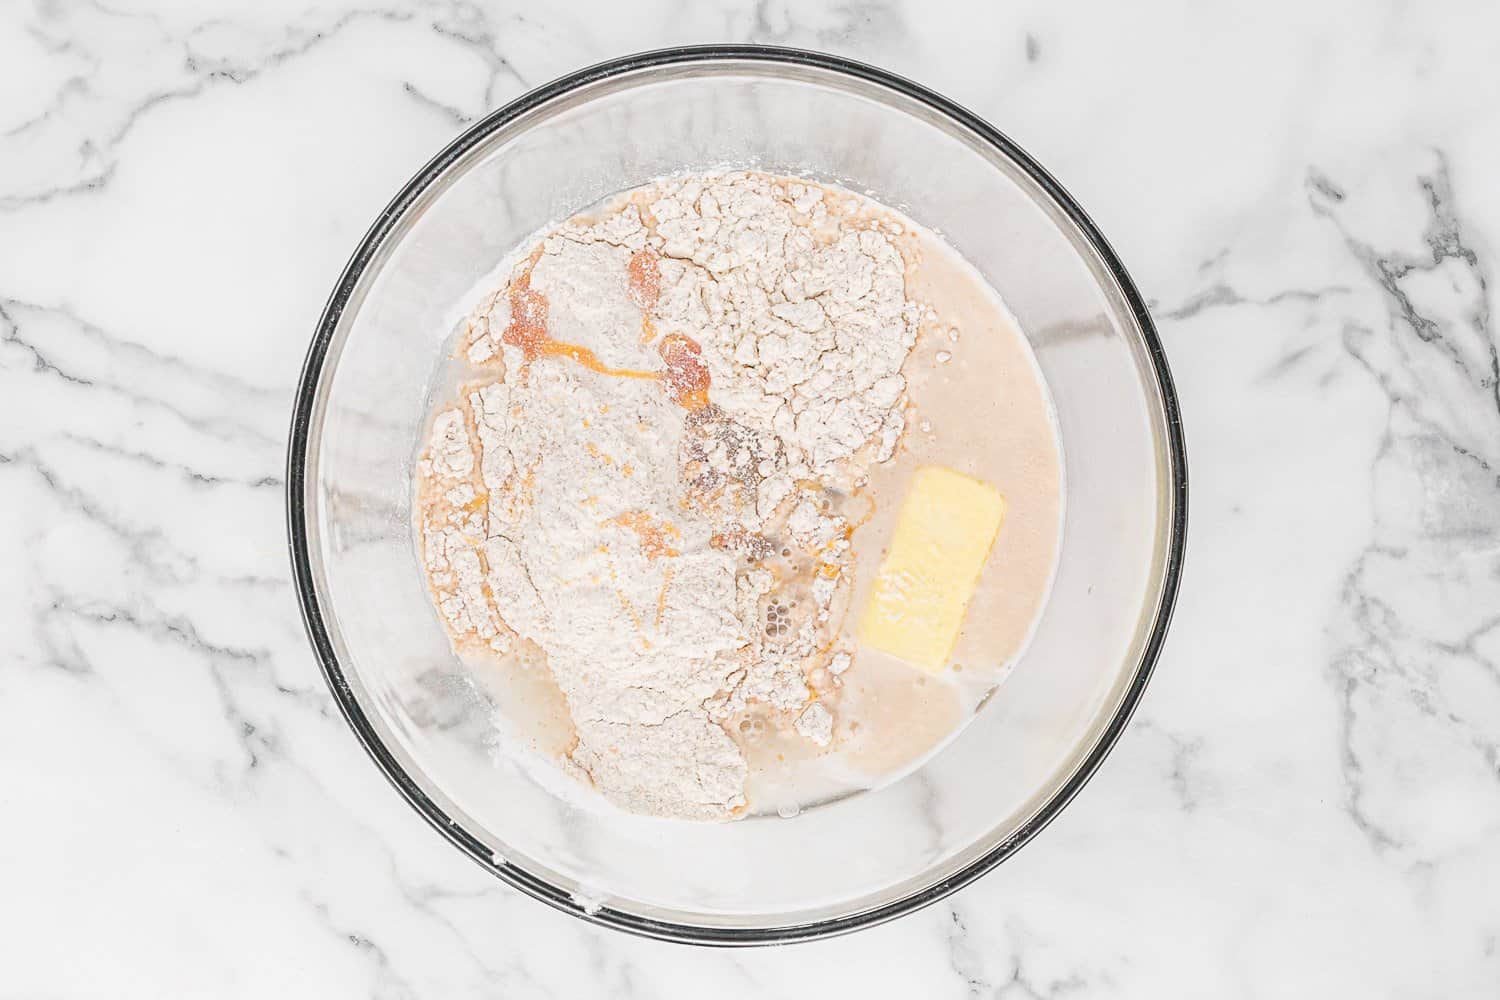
<point x="944" y="534"/>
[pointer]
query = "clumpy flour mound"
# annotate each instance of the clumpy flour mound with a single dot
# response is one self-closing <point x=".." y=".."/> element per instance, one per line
<point x="653" y="480"/>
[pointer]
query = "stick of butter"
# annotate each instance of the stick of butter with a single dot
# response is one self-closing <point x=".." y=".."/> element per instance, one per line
<point x="944" y="533"/>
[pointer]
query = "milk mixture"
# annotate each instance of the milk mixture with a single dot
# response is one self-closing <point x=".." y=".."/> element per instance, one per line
<point x="751" y="494"/>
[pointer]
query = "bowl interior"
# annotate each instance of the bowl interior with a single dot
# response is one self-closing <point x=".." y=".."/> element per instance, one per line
<point x="863" y="855"/>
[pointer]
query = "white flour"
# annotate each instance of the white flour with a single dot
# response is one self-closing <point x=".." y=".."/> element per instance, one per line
<point x="655" y="483"/>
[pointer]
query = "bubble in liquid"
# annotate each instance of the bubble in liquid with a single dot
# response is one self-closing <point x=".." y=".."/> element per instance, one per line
<point x="776" y="620"/>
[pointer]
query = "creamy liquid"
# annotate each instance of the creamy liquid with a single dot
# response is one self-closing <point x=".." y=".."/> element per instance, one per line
<point x="527" y="697"/>
<point x="977" y="404"/>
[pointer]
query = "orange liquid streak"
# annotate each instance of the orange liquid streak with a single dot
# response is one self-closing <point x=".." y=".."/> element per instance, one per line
<point x="643" y="279"/>
<point x="527" y="329"/>
<point x="687" y="378"/>
<point x="589" y="360"/>
<point x="652" y="536"/>
<point x="661" y="597"/>
<point x="643" y="287"/>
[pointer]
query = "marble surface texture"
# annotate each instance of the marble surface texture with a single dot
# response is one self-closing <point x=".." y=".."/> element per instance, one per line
<point x="1308" y="802"/>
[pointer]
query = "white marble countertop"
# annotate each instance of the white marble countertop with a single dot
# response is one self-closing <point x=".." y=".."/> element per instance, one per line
<point x="1308" y="802"/>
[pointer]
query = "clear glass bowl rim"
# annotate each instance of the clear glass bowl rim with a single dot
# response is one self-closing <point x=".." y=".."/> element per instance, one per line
<point x="313" y="377"/>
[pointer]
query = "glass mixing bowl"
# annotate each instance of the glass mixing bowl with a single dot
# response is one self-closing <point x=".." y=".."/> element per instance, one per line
<point x="365" y="392"/>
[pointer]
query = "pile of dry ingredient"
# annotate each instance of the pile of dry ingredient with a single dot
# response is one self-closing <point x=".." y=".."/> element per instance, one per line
<point x="655" y="479"/>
